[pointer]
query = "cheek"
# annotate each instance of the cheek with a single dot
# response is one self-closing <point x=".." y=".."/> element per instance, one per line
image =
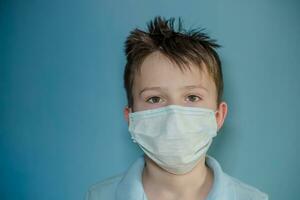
<point x="137" y="104"/>
<point x="211" y="102"/>
<point x="140" y="106"/>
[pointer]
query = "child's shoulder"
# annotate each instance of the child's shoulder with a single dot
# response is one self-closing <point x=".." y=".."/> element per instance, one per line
<point x="104" y="189"/>
<point x="228" y="187"/>
<point x="244" y="191"/>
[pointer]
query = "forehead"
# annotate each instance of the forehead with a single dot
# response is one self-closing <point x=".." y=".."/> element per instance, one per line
<point x="159" y="71"/>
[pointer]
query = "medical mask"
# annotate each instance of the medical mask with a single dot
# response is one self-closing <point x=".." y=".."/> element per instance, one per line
<point x="174" y="137"/>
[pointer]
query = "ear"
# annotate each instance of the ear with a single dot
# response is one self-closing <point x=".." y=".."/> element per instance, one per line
<point x="221" y="114"/>
<point x="127" y="110"/>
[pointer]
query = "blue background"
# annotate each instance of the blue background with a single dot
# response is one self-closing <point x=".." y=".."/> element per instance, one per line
<point x="62" y="97"/>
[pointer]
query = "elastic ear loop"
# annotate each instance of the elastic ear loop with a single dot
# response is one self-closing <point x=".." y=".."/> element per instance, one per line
<point x="216" y="111"/>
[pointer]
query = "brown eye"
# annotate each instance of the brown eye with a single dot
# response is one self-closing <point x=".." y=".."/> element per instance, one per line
<point x="193" y="98"/>
<point x="154" y="100"/>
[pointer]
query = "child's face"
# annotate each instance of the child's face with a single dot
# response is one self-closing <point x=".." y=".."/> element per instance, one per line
<point x="161" y="83"/>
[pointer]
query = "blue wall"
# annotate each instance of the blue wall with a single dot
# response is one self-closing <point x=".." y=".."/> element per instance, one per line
<point x="62" y="98"/>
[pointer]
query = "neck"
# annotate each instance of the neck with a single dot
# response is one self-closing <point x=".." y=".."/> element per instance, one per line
<point x="195" y="183"/>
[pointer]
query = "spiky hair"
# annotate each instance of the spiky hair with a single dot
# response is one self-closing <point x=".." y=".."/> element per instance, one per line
<point x="179" y="45"/>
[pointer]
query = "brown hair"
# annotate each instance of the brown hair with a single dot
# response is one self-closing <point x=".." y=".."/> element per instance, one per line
<point x="180" y="46"/>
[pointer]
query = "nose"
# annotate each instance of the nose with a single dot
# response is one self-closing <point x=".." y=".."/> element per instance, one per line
<point x="174" y="101"/>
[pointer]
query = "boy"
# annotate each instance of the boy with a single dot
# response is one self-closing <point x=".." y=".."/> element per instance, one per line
<point x="174" y="84"/>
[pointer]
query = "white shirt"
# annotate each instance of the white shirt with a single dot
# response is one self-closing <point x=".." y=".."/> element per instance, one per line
<point x="128" y="186"/>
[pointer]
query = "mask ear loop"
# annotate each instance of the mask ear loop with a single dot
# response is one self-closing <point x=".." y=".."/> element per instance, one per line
<point x="215" y="112"/>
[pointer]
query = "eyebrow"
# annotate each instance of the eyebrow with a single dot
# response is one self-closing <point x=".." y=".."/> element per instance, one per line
<point x="182" y="88"/>
<point x="150" y="88"/>
<point x="195" y="86"/>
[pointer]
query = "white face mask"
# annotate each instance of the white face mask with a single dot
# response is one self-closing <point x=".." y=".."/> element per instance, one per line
<point x="174" y="137"/>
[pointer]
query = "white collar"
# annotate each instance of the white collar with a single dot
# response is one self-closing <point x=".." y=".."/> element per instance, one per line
<point x="131" y="187"/>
